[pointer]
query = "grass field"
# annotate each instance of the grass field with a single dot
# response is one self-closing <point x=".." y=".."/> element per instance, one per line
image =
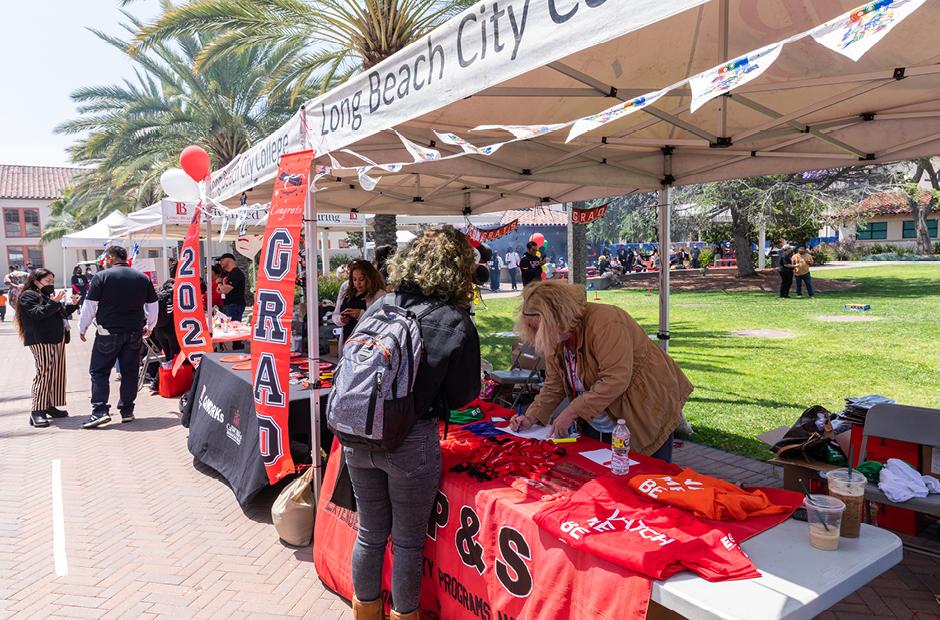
<point x="744" y="386"/>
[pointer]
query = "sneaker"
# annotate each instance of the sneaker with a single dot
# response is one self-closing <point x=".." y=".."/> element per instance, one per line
<point x="52" y="412"/>
<point x="96" y="419"/>
<point x="127" y="416"/>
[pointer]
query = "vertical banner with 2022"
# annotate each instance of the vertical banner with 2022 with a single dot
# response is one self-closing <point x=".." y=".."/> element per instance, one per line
<point x="274" y="305"/>
<point x="189" y="315"/>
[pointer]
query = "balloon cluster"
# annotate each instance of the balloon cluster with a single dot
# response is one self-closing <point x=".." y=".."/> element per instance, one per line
<point x="182" y="184"/>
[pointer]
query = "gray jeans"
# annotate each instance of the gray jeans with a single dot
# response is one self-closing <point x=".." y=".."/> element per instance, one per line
<point x="395" y="493"/>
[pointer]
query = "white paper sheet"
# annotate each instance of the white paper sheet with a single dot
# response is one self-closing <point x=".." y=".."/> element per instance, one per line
<point x="536" y="431"/>
<point x="602" y="457"/>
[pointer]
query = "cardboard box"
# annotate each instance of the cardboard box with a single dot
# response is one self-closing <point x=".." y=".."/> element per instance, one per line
<point x="930" y="461"/>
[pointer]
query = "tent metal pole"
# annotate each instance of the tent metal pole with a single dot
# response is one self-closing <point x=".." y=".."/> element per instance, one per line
<point x="208" y="263"/>
<point x="364" y="238"/>
<point x="166" y="263"/>
<point x="313" y="337"/>
<point x="761" y="244"/>
<point x="665" y="213"/>
<point x="324" y="258"/>
<point x="570" y="207"/>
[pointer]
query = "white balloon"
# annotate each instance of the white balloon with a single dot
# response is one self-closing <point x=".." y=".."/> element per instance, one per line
<point x="179" y="186"/>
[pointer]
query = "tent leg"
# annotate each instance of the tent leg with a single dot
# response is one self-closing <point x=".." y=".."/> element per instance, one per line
<point x="761" y="245"/>
<point x="166" y="264"/>
<point x="665" y="216"/>
<point x="324" y="255"/>
<point x="571" y="252"/>
<point x="313" y="337"/>
<point x="66" y="280"/>
<point x="208" y="265"/>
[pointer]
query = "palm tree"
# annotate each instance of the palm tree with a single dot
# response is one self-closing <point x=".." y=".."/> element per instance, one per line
<point x="133" y="131"/>
<point x="331" y="40"/>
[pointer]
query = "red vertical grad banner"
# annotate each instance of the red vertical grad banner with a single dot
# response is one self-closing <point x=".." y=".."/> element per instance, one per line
<point x="189" y="315"/>
<point x="274" y="305"/>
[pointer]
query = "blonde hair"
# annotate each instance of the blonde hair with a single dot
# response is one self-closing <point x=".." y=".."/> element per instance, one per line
<point x="438" y="264"/>
<point x="560" y="307"/>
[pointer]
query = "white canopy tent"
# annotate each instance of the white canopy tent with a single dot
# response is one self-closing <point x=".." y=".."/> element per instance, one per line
<point x="553" y="62"/>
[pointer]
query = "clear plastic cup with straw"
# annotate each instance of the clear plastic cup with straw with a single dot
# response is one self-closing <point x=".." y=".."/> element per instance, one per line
<point x="824" y="515"/>
<point x="848" y="486"/>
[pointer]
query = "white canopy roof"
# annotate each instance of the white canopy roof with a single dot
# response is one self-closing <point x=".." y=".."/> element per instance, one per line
<point x="96" y="235"/>
<point x="560" y="60"/>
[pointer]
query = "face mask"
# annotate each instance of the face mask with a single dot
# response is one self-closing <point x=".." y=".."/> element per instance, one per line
<point x="48" y="290"/>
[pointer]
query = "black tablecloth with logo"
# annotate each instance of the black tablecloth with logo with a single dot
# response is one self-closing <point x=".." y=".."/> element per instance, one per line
<point x="223" y="428"/>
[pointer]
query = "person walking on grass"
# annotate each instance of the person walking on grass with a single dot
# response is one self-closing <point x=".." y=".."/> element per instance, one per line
<point x="42" y="320"/>
<point x="124" y="303"/>
<point x="786" y="271"/>
<point x="802" y="261"/>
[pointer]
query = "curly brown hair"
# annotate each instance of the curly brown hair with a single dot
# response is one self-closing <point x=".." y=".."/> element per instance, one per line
<point x="439" y="264"/>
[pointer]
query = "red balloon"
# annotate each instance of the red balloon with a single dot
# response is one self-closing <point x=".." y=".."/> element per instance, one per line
<point x="538" y="238"/>
<point x="195" y="162"/>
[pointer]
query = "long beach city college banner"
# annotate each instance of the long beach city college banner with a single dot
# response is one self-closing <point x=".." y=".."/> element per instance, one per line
<point x="274" y="305"/>
<point x="189" y="314"/>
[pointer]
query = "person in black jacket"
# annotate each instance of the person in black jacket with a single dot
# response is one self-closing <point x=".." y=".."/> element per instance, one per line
<point x="42" y="321"/>
<point x="395" y="489"/>
<point x="531" y="264"/>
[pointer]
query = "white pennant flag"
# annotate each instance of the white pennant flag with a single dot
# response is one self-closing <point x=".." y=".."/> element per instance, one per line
<point x="856" y="32"/>
<point x="523" y="132"/>
<point x="455" y="140"/>
<point x="613" y="113"/>
<point x="722" y="79"/>
<point x="365" y="181"/>
<point x="418" y="152"/>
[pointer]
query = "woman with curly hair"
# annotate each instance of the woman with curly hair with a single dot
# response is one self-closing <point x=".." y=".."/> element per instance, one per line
<point x="600" y="359"/>
<point x="363" y="288"/>
<point x="395" y="489"/>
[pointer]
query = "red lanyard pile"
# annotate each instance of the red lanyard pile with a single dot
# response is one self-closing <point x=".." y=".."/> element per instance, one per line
<point x="500" y="457"/>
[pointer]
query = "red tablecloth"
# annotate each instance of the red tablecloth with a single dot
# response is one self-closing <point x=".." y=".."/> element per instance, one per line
<point x="526" y="573"/>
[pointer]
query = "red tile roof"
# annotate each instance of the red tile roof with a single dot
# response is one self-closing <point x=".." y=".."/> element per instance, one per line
<point x="536" y="217"/>
<point x="885" y="203"/>
<point x="34" y="182"/>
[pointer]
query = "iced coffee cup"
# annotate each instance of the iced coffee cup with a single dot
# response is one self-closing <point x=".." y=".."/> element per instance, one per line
<point x="824" y="515"/>
<point x="849" y="486"/>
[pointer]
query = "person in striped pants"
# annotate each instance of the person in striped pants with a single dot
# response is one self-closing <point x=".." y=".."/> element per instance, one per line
<point x="42" y="320"/>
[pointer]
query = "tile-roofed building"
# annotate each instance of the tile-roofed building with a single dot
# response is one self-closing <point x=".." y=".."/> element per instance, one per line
<point x="539" y="216"/>
<point x="34" y="182"/>
<point x="25" y="196"/>
<point x="885" y="218"/>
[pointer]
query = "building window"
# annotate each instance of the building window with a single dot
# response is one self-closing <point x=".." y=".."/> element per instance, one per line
<point x="910" y="230"/>
<point x="21" y="223"/>
<point x="20" y="256"/>
<point x="872" y="231"/>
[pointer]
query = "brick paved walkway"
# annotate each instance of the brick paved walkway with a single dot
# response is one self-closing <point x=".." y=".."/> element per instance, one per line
<point x="147" y="534"/>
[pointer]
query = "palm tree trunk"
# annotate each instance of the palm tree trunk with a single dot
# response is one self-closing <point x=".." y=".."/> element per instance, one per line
<point x="384" y="228"/>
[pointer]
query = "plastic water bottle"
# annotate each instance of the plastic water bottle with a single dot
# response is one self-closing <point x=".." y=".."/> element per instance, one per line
<point x="620" y="449"/>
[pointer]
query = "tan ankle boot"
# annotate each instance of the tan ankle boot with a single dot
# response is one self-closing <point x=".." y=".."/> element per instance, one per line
<point x="368" y="610"/>
<point x="415" y="615"/>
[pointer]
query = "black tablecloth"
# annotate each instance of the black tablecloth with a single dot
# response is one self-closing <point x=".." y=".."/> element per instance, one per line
<point x="223" y="428"/>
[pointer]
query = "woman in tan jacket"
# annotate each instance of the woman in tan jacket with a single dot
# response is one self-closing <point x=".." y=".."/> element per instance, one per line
<point x="600" y="359"/>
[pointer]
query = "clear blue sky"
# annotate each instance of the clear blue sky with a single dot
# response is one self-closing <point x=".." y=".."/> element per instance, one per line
<point x="46" y="52"/>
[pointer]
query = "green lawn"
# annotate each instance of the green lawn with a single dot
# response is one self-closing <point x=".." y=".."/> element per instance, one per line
<point x="744" y="386"/>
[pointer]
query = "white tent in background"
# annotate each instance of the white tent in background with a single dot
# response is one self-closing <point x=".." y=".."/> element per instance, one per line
<point x="533" y="69"/>
<point x="109" y="227"/>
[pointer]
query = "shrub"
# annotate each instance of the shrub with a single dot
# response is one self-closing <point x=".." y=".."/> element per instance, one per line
<point x="328" y="287"/>
<point x="847" y="249"/>
<point x="339" y="260"/>
<point x="822" y="255"/>
<point x="706" y="257"/>
<point x="885" y="256"/>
